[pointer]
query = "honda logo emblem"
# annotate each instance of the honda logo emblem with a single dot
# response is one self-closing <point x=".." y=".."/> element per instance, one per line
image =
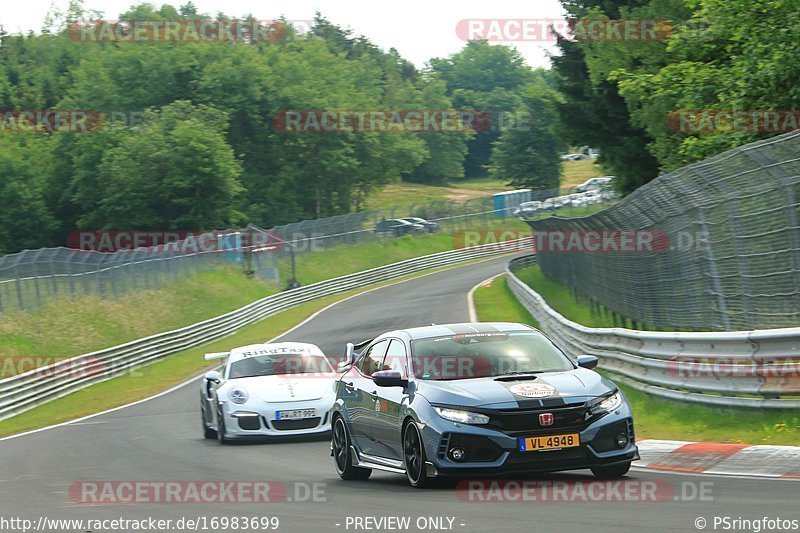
<point x="546" y="419"/>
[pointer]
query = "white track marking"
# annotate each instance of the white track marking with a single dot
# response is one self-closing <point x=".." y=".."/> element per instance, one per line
<point x="198" y="376"/>
<point x="473" y="314"/>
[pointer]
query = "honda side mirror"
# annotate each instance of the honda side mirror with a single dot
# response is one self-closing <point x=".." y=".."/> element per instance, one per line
<point x="389" y="378"/>
<point x="587" y="361"/>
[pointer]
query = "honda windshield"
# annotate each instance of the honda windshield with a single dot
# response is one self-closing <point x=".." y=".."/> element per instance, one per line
<point x="480" y="355"/>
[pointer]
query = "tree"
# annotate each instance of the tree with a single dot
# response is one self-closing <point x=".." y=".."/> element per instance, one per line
<point x="527" y="154"/>
<point x="174" y="172"/>
<point x="487" y="79"/>
<point x="593" y="112"/>
<point x="25" y="220"/>
<point x="732" y="56"/>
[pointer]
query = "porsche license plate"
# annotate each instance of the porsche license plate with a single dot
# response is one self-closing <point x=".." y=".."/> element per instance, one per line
<point x="295" y="414"/>
<point x="549" y="442"/>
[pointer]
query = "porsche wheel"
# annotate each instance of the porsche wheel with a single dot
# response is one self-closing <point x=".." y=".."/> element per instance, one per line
<point x="221" y="435"/>
<point x="208" y="433"/>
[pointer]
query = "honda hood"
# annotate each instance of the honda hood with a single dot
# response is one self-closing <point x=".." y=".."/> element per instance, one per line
<point x="541" y="390"/>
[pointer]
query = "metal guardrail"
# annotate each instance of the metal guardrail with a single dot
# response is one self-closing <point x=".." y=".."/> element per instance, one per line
<point x="759" y="368"/>
<point x="25" y="391"/>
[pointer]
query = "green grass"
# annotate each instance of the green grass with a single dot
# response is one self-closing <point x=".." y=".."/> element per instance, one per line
<point x="659" y="418"/>
<point x="66" y="327"/>
<point x="339" y="261"/>
<point x="576" y="172"/>
<point x="406" y="194"/>
<point x="176" y="368"/>
<point x="656" y="418"/>
<point x="159" y="376"/>
<point x="496" y="303"/>
<point x="559" y="297"/>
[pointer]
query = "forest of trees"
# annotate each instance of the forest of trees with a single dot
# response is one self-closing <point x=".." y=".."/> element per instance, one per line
<point x="204" y="151"/>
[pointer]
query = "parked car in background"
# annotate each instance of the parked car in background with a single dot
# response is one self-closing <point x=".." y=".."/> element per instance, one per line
<point x="594" y="183"/>
<point x="526" y="209"/>
<point x="430" y="227"/>
<point x="397" y="227"/>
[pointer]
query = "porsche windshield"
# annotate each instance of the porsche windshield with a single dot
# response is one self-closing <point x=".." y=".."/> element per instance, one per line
<point x="476" y="355"/>
<point x="279" y="364"/>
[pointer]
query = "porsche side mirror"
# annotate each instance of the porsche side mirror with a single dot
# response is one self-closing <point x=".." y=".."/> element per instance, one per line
<point x="389" y="378"/>
<point x="587" y="361"/>
<point x="213" y="375"/>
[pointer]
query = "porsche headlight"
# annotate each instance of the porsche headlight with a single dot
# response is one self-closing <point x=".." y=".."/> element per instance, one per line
<point x="238" y="395"/>
<point x="607" y="405"/>
<point x="464" y="417"/>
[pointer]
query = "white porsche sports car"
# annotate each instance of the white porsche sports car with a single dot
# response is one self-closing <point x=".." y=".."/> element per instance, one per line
<point x="274" y="389"/>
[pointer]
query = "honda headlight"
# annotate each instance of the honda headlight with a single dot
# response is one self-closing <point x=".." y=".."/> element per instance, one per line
<point x="607" y="405"/>
<point x="238" y="395"/>
<point x="464" y="417"/>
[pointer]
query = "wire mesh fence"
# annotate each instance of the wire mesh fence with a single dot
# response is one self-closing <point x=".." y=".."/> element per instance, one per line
<point x="712" y="246"/>
<point x="31" y="277"/>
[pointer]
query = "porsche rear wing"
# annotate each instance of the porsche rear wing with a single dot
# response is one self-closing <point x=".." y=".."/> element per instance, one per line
<point x="216" y="355"/>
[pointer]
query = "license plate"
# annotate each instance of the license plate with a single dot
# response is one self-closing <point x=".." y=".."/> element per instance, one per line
<point x="295" y="414"/>
<point x="549" y="442"/>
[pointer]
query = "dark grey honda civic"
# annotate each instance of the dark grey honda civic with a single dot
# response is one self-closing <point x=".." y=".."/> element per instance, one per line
<point x="475" y="399"/>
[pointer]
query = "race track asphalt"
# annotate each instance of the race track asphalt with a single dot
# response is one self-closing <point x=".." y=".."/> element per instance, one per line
<point x="160" y="440"/>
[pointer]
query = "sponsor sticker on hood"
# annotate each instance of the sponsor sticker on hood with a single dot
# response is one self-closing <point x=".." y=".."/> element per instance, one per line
<point x="533" y="390"/>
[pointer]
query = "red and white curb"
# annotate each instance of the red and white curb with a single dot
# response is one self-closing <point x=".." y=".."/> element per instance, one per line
<point x="720" y="459"/>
